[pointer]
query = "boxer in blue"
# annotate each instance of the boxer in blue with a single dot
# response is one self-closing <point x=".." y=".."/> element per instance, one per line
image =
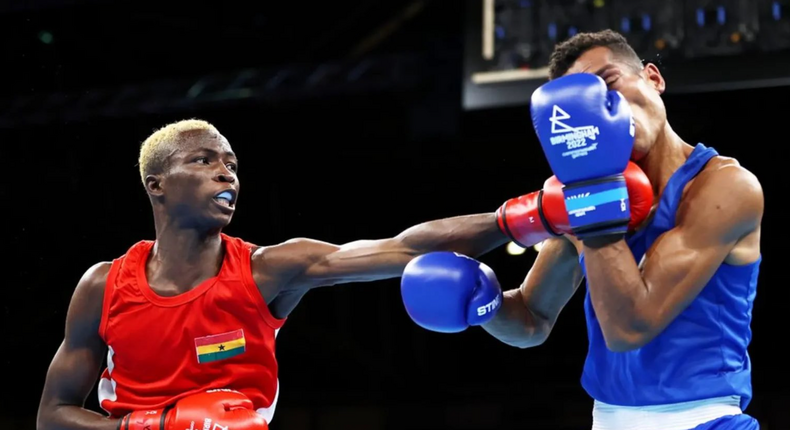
<point x="669" y="302"/>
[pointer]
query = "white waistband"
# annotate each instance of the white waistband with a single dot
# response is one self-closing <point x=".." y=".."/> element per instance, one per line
<point x="678" y="416"/>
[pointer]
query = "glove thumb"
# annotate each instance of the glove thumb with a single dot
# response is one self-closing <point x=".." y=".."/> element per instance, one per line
<point x="618" y="107"/>
<point x="486" y="299"/>
<point x="615" y="102"/>
<point x="232" y="399"/>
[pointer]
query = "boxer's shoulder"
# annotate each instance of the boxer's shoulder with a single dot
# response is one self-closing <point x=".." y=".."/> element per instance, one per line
<point x="725" y="175"/>
<point x="723" y="191"/>
<point x="94" y="280"/>
<point x="274" y="267"/>
<point x="85" y="308"/>
<point x="289" y="257"/>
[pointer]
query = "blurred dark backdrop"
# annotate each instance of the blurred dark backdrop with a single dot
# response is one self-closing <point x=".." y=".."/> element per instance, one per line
<point x="364" y="158"/>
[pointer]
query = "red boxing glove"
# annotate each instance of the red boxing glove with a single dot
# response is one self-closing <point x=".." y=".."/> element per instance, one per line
<point x="212" y="410"/>
<point x="540" y="215"/>
<point x="535" y="217"/>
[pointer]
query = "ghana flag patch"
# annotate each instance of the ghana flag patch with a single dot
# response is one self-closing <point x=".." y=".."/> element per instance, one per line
<point x="220" y="346"/>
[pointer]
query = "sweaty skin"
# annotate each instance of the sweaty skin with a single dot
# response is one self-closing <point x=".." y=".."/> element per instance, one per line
<point x="189" y="250"/>
<point x="718" y="222"/>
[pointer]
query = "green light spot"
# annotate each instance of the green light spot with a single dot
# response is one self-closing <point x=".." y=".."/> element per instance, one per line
<point x="45" y="37"/>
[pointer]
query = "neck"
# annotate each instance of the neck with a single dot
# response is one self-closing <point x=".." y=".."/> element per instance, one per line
<point x="182" y="258"/>
<point x="667" y="154"/>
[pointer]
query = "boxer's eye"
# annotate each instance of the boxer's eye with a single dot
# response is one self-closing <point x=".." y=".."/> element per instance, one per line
<point x="611" y="79"/>
<point x="610" y="75"/>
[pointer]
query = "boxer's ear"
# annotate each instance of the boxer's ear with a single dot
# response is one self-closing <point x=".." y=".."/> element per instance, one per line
<point x="654" y="78"/>
<point x="153" y="185"/>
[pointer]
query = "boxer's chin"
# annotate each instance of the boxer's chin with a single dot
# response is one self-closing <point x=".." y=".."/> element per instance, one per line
<point x="640" y="150"/>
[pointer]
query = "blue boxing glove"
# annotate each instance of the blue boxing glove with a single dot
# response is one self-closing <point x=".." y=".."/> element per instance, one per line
<point x="587" y="134"/>
<point x="447" y="292"/>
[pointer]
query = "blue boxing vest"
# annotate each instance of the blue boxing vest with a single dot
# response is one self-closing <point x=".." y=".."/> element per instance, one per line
<point x="703" y="352"/>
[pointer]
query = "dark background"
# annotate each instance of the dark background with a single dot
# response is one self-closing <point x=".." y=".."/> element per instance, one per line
<point x="348" y="158"/>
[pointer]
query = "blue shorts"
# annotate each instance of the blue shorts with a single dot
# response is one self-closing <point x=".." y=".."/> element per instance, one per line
<point x="732" y="422"/>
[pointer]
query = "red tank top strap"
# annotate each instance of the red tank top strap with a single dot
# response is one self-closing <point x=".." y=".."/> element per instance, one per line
<point x="241" y="252"/>
<point x="109" y="288"/>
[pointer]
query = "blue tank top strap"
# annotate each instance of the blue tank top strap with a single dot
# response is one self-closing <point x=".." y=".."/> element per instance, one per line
<point x="673" y="191"/>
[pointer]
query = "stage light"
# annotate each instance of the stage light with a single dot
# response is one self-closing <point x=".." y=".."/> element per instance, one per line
<point x="514" y="249"/>
<point x="538" y="246"/>
<point x="45" y="37"/>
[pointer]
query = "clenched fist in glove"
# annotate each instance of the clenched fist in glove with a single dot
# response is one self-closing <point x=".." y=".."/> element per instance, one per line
<point x="447" y="292"/>
<point x="540" y="215"/>
<point x="213" y="409"/>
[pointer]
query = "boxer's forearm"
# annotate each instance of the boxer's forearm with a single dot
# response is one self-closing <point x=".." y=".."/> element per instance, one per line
<point x="472" y="235"/>
<point x="529" y="312"/>
<point x="516" y="325"/>
<point x="617" y="291"/>
<point x="69" y="417"/>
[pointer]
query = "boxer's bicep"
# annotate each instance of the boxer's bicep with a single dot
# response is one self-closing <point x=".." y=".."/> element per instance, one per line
<point x="75" y="366"/>
<point x="718" y="212"/>
<point x="306" y="263"/>
<point x="357" y="261"/>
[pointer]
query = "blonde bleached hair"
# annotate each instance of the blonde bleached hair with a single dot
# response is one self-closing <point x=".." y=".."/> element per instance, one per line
<point x="156" y="149"/>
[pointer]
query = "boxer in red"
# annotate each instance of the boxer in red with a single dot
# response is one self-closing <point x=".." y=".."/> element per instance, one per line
<point x="197" y="311"/>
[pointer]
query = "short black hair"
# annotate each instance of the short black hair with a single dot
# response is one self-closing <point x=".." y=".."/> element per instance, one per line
<point x="568" y="51"/>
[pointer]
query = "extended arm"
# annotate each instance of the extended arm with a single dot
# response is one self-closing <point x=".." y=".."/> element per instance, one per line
<point x="634" y="304"/>
<point x="76" y="365"/>
<point x="529" y="312"/>
<point x="305" y="263"/>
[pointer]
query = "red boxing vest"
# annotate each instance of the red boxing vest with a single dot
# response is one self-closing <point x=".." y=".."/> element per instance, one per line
<point x="218" y="335"/>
